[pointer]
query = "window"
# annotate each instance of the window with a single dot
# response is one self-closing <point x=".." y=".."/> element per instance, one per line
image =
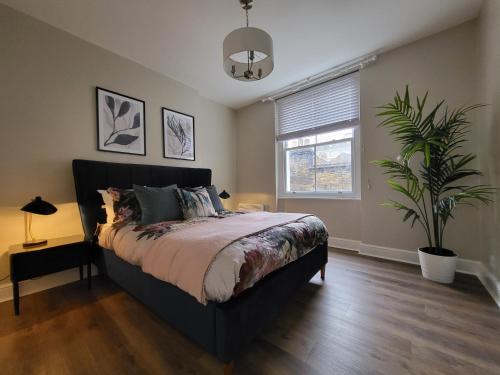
<point x="318" y="141"/>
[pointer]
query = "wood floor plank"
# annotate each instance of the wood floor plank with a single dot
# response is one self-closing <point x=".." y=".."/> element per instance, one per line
<point x="369" y="316"/>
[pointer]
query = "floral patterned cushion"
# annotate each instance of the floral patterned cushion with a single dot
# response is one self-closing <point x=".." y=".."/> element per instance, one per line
<point x="214" y="196"/>
<point x="125" y="205"/>
<point x="195" y="203"/>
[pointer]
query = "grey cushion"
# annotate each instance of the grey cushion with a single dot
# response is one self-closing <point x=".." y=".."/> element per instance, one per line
<point x="214" y="197"/>
<point x="158" y="203"/>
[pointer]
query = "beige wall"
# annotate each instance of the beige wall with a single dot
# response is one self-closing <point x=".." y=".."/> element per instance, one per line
<point x="256" y="181"/>
<point x="47" y="106"/>
<point x="342" y="217"/>
<point x="445" y="65"/>
<point x="489" y="92"/>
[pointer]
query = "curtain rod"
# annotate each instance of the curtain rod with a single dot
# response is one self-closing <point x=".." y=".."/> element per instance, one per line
<point x="324" y="76"/>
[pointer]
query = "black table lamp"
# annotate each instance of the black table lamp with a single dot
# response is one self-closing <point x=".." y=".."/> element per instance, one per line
<point x="224" y="195"/>
<point x="39" y="207"/>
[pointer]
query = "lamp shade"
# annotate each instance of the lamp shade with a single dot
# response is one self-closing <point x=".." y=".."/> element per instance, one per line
<point x="224" y="195"/>
<point x="40" y="207"/>
<point x="243" y="40"/>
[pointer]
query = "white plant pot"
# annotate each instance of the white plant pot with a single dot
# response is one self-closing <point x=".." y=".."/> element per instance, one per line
<point x="438" y="268"/>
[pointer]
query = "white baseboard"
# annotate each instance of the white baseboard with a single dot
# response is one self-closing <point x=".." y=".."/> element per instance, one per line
<point x="46" y="282"/>
<point x="389" y="253"/>
<point x="490" y="282"/>
<point x="344" y="243"/>
<point x="471" y="267"/>
<point x="467" y="266"/>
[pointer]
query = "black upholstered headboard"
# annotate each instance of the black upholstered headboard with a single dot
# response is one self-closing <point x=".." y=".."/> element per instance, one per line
<point x="93" y="175"/>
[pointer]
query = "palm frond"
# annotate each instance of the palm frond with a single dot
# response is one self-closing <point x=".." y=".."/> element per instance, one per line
<point x="438" y="137"/>
<point x="410" y="213"/>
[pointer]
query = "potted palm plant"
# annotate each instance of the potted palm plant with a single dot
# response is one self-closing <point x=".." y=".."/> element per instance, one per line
<point x="432" y="172"/>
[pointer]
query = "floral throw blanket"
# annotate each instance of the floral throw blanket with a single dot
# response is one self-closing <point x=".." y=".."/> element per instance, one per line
<point x="238" y="266"/>
<point x="276" y="247"/>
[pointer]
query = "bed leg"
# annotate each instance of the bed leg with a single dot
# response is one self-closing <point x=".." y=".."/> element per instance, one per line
<point x="323" y="270"/>
<point x="228" y="368"/>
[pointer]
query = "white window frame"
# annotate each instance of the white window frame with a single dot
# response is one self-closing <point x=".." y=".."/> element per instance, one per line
<point x="355" y="165"/>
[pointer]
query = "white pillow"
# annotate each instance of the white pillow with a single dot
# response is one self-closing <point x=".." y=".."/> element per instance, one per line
<point x="108" y="205"/>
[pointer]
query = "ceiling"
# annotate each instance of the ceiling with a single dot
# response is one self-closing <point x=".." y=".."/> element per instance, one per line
<point x="182" y="39"/>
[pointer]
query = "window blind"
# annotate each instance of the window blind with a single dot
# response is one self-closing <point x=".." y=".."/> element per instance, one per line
<point x="329" y="106"/>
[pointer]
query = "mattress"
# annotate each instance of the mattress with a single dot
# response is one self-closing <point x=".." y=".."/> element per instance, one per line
<point x="237" y="266"/>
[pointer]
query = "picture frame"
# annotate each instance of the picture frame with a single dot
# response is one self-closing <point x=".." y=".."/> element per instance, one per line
<point x="178" y="135"/>
<point x="121" y="123"/>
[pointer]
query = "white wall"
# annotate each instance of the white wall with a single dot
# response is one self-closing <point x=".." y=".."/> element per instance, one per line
<point x="47" y="106"/>
<point x="444" y="64"/>
<point x="489" y="92"/>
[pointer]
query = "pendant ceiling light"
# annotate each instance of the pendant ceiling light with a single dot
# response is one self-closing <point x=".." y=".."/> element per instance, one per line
<point x="248" y="51"/>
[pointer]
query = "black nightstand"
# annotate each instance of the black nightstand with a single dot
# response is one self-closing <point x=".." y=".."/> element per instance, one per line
<point x="57" y="255"/>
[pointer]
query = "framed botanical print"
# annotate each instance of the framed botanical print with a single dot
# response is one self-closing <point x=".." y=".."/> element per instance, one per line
<point x="121" y="123"/>
<point x="178" y="135"/>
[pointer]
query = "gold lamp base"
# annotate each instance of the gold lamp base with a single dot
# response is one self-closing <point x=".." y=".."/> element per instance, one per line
<point x="34" y="243"/>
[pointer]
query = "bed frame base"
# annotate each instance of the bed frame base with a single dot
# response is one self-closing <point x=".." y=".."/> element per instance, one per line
<point x="222" y="329"/>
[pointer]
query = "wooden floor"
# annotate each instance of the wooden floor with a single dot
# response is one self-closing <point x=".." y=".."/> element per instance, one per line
<point x="368" y="317"/>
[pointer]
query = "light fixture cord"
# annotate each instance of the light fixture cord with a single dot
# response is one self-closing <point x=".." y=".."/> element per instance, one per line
<point x="248" y="52"/>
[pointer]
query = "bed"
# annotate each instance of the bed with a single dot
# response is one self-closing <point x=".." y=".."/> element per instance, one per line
<point x="223" y="329"/>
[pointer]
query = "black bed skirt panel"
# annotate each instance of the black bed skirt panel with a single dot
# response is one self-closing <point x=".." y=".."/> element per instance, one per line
<point x="222" y="329"/>
<point x="170" y="303"/>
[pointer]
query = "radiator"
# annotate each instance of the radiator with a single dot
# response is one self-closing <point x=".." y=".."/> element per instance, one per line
<point x="250" y="207"/>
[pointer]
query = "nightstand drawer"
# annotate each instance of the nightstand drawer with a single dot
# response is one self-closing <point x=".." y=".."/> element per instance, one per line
<point x="38" y="263"/>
